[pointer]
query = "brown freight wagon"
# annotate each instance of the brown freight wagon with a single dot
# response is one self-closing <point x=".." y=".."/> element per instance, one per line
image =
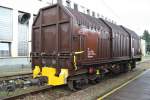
<point x="70" y="47"/>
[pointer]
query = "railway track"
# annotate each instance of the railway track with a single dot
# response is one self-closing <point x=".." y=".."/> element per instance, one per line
<point x="43" y="89"/>
<point x="8" y="84"/>
<point x="21" y="91"/>
<point x="12" y="77"/>
<point x="35" y="91"/>
<point x="38" y="89"/>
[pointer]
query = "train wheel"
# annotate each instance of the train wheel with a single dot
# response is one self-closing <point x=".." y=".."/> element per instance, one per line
<point x="115" y="69"/>
<point x="98" y="79"/>
<point x="129" y="67"/>
<point x="92" y="81"/>
<point x="121" y="68"/>
<point x="133" y="65"/>
<point x="75" y="84"/>
<point x="95" y="79"/>
<point x="71" y="85"/>
<point x="125" y="68"/>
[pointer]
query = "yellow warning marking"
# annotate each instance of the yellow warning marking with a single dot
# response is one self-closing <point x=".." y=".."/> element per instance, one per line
<point x="75" y="59"/>
<point x="124" y="84"/>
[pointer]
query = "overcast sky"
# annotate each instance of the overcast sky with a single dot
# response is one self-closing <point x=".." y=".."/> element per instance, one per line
<point x="134" y="14"/>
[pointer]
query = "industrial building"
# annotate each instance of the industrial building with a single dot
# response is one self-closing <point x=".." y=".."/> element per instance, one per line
<point x="15" y="34"/>
<point x="15" y="37"/>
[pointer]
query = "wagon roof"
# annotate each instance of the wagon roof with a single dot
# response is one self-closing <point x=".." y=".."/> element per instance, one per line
<point x="87" y="20"/>
<point x="131" y="32"/>
<point x="115" y="28"/>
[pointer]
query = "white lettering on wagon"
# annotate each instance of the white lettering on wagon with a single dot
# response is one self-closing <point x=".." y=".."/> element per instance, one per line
<point x="90" y="53"/>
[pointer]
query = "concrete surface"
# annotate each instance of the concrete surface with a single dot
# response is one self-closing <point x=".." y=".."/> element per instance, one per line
<point x="14" y="65"/>
<point x="138" y="89"/>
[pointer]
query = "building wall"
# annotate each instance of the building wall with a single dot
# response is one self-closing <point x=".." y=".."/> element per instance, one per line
<point x="143" y="48"/>
<point x="17" y="6"/>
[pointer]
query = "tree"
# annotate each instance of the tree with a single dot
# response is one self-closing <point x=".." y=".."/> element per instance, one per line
<point x="146" y="36"/>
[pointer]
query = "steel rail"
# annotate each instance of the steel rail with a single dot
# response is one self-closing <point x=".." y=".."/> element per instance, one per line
<point x="35" y="91"/>
<point x="11" y="77"/>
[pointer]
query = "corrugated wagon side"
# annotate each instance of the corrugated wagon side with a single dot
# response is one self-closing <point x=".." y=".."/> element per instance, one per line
<point x="70" y="47"/>
<point x="51" y="43"/>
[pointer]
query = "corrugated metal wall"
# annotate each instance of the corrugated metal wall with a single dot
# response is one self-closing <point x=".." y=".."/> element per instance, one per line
<point x="6" y="27"/>
<point x="23" y="31"/>
<point x="6" y="31"/>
